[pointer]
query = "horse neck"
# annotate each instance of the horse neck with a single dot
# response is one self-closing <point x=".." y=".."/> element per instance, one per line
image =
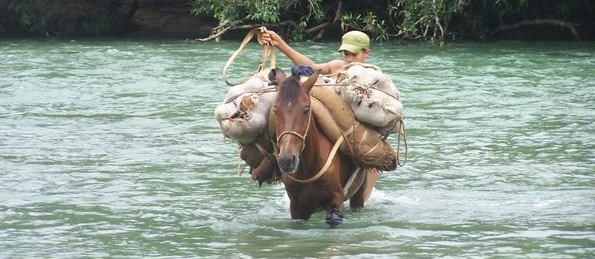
<point x="317" y="149"/>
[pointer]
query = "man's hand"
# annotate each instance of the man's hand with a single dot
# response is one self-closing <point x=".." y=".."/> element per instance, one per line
<point x="272" y="38"/>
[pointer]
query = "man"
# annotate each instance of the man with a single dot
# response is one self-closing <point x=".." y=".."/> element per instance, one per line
<point x="355" y="47"/>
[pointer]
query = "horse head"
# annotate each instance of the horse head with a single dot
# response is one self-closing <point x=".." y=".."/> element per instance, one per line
<point x="294" y="117"/>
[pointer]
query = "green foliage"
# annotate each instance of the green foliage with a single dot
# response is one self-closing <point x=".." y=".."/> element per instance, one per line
<point x="29" y="16"/>
<point x="407" y="19"/>
<point x="424" y="19"/>
<point x="430" y="20"/>
<point x="369" y="23"/>
<point x="232" y="13"/>
<point x="239" y="11"/>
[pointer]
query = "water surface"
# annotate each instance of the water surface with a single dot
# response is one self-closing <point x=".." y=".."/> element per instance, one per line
<point x="109" y="148"/>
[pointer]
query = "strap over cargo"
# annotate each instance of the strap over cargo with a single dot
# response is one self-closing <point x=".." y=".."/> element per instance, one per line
<point x="364" y="144"/>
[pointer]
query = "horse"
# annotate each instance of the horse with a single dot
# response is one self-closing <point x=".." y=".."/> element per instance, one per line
<point x="315" y="175"/>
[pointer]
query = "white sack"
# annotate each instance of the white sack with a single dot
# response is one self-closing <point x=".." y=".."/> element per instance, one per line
<point x="371" y="94"/>
<point x="243" y="114"/>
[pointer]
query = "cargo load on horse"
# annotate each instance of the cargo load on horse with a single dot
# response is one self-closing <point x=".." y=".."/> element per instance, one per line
<point x="362" y="106"/>
<point x="243" y="114"/>
<point x="356" y="113"/>
<point x="372" y="96"/>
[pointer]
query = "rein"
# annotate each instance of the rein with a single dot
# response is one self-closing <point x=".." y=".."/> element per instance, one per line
<point x="322" y="170"/>
<point x="329" y="158"/>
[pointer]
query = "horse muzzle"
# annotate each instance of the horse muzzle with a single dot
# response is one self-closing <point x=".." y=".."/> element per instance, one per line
<point x="288" y="164"/>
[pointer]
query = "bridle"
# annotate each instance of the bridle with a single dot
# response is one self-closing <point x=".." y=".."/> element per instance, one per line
<point x="297" y="134"/>
<point x="303" y="136"/>
<point x="329" y="158"/>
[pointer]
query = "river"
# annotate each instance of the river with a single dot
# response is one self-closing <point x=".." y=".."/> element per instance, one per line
<point x="109" y="148"/>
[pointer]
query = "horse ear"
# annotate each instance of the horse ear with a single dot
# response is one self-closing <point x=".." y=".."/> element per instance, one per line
<point x="311" y="80"/>
<point x="279" y="76"/>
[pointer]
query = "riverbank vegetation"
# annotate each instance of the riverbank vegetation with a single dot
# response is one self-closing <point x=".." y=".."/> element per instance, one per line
<point x="423" y="20"/>
<point x="429" y="20"/>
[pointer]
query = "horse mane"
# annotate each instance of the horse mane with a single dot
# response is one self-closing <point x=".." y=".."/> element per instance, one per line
<point x="290" y="88"/>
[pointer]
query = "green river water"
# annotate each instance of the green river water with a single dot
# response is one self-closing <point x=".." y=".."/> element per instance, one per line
<point x="109" y="149"/>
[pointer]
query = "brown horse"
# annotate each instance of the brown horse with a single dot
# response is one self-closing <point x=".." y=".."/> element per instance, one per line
<point x="313" y="173"/>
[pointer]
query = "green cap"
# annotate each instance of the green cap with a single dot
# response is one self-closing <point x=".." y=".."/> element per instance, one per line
<point x="354" y="41"/>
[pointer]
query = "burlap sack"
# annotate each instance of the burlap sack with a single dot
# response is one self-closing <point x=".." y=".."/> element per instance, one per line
<point x="362" y="143"/>
<point x="242" y="116"/>
<point x="371" y="95"/>
<point x="258" y="155"/>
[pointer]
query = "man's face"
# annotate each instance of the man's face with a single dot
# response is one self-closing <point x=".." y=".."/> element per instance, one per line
<point x="360" y="56"/>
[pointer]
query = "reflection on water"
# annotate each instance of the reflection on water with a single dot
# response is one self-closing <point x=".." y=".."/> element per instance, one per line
<point x="110" y="149"/>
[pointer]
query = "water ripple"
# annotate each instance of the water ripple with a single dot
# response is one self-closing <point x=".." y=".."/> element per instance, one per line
<point x="109" y="149"/>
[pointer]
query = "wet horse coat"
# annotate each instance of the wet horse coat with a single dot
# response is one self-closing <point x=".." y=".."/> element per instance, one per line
<point x="312" y="173"/>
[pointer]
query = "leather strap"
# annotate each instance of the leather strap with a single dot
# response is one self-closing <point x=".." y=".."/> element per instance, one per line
<point x="268" y="53"/>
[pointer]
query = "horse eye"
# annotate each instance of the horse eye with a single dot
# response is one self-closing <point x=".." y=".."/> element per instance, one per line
<point x="306" y="109"/>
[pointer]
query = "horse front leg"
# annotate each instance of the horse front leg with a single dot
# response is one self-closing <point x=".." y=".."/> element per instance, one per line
<point x="298" y="212"/>
<point x="334" y="216"/>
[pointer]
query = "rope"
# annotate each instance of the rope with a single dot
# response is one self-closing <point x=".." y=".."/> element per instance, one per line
<point x="403" y="133"/>
<point x="256" y="91"/>
<point x="264" y="153"/>
<point x="268" y="53"/>
<point x="327" y="164"/>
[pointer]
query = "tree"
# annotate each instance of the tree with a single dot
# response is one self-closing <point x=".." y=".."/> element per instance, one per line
<point x="406" y="19"/>
<point x="429" y="20"/>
